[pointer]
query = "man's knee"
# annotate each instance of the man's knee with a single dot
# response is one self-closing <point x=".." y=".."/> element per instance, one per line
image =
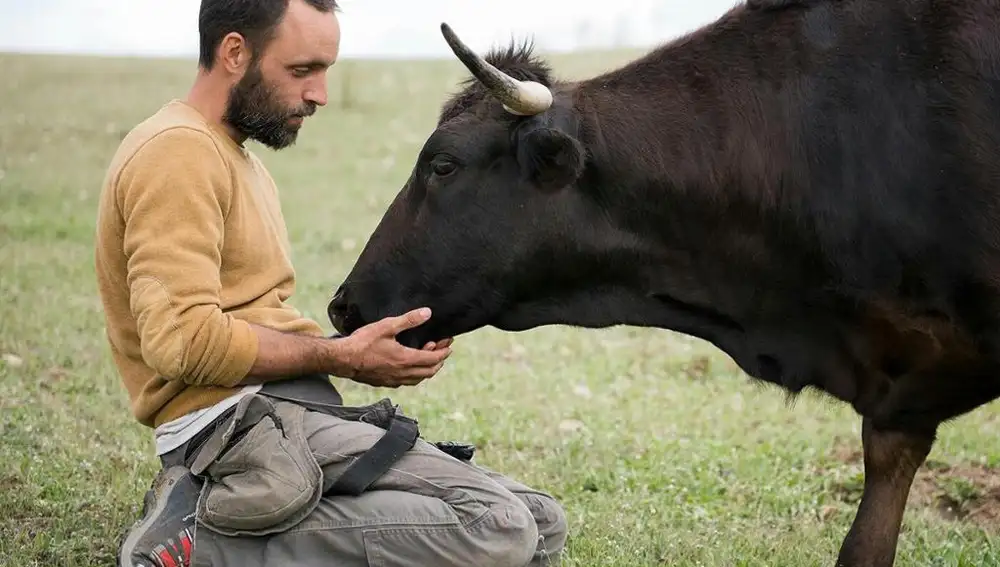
<point x="505" y="535"/>
<point x="550" y="518"/>
<point x="553" y="529"/>
<point x="509" y="536"/>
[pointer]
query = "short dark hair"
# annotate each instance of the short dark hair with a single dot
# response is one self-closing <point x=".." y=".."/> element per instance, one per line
<point x="255" y="20"/>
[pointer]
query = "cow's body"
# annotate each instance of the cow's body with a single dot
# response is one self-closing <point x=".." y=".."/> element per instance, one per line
<point x="811" y="185"/>
<point x="824" y="202"/>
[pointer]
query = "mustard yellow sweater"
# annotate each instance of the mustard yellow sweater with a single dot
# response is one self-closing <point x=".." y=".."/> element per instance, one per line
<point x="191" y="247"/>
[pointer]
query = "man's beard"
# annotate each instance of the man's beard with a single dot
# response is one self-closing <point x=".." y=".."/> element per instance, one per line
<point x="254" y="111"/>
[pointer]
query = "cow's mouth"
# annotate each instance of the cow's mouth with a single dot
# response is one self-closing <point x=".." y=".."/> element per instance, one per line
<point x="350" y="309"/>
<point x="347" y="318"/>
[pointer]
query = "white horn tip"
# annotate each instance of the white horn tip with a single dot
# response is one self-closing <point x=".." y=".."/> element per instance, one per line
<point x="535" y="98"/>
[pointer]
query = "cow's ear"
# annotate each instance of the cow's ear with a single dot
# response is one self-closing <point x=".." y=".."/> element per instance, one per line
<point x="550" y="158"/>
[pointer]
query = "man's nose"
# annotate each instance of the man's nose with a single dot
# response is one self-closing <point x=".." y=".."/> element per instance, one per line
<point x="317" y="94"/>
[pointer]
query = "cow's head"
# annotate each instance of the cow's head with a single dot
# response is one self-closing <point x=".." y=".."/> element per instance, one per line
<point x="493" y="226"/>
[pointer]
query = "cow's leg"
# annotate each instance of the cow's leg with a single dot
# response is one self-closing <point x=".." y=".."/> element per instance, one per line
<point x="891" y="461"/>
<point x="898" y="433"/>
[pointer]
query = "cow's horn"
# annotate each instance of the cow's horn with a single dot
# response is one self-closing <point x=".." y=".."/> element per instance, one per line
<point x="524" y="98"/>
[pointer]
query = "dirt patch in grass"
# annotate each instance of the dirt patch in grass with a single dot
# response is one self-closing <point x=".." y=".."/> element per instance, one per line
<point x="847" y="452"/>
<point x="9" y="482"/>
<point x="961" y="492"/>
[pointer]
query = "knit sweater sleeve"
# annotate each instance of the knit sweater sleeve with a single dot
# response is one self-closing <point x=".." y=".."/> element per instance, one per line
<point x="174" y="195"/>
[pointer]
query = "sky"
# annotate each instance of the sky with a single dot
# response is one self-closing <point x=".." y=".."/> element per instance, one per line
<point x="369" y="28"/>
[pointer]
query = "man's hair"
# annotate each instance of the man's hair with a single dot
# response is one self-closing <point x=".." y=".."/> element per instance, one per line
<point x="255" y="20"/>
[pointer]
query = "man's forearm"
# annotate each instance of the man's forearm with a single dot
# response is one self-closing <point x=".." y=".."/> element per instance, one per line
<point x="284" y="355"/>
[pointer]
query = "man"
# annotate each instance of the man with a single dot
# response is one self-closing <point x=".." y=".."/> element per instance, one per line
<point x="261" y="461"/>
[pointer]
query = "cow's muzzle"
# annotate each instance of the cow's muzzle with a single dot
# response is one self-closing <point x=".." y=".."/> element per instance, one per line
<point x="344" y="315"/>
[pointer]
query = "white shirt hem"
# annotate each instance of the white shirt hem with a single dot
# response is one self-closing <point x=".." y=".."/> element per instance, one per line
<point x="173" y="434"/>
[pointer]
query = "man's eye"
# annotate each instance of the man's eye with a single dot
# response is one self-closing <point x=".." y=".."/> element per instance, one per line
<point x="300" y="71"/>
<point x="443" y="168"/>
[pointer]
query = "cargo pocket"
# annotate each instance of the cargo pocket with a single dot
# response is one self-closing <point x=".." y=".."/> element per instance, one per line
<point x="265" y="482"/>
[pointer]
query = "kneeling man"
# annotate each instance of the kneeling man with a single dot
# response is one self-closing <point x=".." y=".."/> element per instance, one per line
<point x="262" y="462"/>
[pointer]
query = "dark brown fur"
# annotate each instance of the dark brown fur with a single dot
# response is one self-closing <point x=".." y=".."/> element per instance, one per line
<point x="812" y="185"/>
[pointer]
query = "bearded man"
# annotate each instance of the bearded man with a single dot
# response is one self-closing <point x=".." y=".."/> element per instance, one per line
<point x="261" y="461"/>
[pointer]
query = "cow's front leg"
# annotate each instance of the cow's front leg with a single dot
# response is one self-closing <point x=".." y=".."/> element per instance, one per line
<point x="891" y="461"/>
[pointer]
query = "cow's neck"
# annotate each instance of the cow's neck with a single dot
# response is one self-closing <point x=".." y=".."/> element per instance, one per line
<point x="674" y="162"/>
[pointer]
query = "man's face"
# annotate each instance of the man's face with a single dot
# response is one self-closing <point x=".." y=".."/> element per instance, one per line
<point x="286" y="82"/>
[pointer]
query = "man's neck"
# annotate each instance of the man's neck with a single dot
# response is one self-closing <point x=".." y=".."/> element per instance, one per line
<point x="208" y="96"/>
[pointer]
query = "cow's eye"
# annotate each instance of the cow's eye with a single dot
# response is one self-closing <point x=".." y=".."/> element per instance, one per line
<point x="443" y="168"/>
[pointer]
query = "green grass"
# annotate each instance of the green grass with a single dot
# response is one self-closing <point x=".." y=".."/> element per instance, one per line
<point x="677" y="459"/>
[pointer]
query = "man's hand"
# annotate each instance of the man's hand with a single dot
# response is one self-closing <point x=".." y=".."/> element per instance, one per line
<point x="372" y="355"/>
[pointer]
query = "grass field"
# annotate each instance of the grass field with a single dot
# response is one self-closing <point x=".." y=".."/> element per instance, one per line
<point x="661" y="451"/>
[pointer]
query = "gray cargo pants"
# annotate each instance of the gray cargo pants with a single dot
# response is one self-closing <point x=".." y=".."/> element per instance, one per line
<point x="264" y="502"/>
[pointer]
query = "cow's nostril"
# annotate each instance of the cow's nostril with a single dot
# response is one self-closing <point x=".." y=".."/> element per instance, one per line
<point x="338" y="296"/>
<point x="337" y="309"/>
<point x="344" y="312"/>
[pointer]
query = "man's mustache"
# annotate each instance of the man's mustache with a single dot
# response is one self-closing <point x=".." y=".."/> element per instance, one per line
<point x="308" y="110"/>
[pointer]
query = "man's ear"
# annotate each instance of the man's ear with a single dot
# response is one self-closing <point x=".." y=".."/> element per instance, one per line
<point x="550" y="158"/>
<point x="234" y="53"/>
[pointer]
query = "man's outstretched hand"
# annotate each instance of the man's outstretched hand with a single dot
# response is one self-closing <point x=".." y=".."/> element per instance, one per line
<point x="371" y="355"/>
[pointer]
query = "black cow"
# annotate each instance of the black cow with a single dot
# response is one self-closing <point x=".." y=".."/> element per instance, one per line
<point x="813" y="186"/>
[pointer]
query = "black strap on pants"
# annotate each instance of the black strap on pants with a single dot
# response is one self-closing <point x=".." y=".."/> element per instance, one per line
<point x="316" y="393"/>
<point x="373" y="463"/>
